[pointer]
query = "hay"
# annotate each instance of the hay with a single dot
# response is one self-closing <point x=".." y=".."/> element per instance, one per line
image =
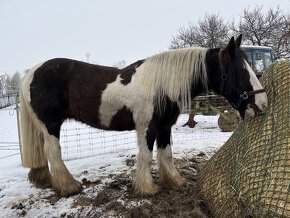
<point x="250" y="175"/>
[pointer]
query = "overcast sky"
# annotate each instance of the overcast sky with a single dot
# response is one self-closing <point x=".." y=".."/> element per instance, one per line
<point x="32" y="31"/>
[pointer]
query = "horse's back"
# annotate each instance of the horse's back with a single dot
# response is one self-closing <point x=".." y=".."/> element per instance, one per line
<point x="64" y="88"/>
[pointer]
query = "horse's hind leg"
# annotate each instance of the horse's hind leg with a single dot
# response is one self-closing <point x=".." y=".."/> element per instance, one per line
<point x="167" y="171"/>
<point x="62" y="181"/>
<point x="143" y="182"/>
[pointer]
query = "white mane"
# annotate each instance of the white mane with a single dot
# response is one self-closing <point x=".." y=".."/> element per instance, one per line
<point x="173" y="73"/>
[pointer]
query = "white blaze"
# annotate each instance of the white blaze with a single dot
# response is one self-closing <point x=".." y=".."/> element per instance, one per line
<point x="261" y="99"/>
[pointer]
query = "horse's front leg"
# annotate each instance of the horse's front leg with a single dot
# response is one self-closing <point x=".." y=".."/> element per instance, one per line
<point x="167" y="171"/>
<point x="143" y="182"/>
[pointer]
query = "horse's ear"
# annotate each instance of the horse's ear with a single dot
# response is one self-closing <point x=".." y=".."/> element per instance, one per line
<point x="229" y="51"/>
<point x="230" y="48"/>
<point x="226" y="54"/>
<point x="238" y="41"/>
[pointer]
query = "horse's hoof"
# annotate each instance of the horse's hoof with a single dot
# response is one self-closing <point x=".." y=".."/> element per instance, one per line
<point x="174" y="181"/>
<point x="148" y="190"/>
<point x="71" y="188"/>
<point x="180" y="181"/>
<point x="40" y="177"/>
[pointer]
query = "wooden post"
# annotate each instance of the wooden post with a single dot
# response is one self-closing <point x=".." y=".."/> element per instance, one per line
<point x="18" y="125"/>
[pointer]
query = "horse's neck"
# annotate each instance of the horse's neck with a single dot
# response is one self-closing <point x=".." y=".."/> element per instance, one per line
<point x="213" y="70"/>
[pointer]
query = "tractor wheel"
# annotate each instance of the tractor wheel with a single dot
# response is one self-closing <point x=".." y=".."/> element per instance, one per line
<point x="231" y="124"/>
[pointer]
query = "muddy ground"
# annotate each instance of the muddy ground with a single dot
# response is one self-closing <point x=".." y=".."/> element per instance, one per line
<point x="113" y="196"/>
<point x="117" y="198"/>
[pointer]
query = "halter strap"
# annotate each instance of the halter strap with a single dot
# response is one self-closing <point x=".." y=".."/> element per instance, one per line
<point x="244" y="94"/>
<point x="256" y="92"/>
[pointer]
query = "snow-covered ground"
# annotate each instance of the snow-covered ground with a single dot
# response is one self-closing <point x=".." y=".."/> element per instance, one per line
<point x="98" y="153"/>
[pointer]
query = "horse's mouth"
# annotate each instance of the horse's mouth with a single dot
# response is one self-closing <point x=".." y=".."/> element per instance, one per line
<point x="252" y="110"/>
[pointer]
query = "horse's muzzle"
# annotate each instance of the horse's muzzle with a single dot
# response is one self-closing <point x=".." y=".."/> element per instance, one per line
<point x="253" y="109"/>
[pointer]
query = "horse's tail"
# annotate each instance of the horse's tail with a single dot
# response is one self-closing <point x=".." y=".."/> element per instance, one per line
<point x="32" y="140"/>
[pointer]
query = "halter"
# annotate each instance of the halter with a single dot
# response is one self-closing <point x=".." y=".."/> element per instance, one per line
<point x="244" y="94"/>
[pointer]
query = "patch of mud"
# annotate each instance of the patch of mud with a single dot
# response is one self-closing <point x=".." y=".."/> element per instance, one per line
<point x="116" y="199"/>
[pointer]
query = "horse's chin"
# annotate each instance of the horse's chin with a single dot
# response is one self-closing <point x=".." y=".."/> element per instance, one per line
<point x="242" y="113"/>
<point x="250" y="111"/>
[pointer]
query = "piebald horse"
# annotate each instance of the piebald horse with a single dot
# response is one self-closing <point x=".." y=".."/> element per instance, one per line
<point x="147" y="96"/>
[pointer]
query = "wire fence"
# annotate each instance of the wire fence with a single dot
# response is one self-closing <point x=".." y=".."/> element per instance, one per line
<point x="79" y="140"/>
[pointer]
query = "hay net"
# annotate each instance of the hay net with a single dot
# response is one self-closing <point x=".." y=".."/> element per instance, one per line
<point x="250" y="175"/>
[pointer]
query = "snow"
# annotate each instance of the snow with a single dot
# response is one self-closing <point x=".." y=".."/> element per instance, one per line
<point x="90" y="154"/>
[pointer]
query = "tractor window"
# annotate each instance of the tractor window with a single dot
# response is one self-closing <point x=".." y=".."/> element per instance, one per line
<point x="249" y="58"/>
<point x="268" y="59"/>
<point x="263" y="60"/>
<point x="259" y="61"/>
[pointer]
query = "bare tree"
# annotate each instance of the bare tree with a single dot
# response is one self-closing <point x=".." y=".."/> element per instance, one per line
<point x="7" y="84"/>
<point x="269" y="29"/>
<point x="120" y="64"/>
<point x="211" y="31"/>
<point x="3" y="79"/>
<point x="1" y="88"/>
<point x="15" y="82"/>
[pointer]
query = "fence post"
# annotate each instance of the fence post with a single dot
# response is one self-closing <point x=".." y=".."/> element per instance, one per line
<point x="18" y="125"/>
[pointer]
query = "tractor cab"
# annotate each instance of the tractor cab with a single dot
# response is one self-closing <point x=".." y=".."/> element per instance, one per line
<point x="259" y="57"/>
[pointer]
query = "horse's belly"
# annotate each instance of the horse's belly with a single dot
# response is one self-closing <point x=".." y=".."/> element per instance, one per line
<point x="122" y="120"/>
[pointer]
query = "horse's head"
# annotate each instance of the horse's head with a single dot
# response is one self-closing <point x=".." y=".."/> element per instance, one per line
<point x="239" y="84"/>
